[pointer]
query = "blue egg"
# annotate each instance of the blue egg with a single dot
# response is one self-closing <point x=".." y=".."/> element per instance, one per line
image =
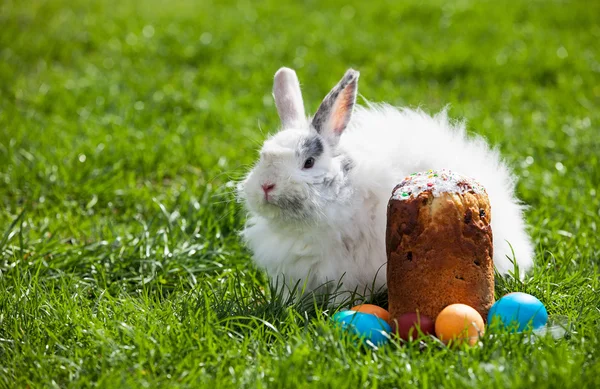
<point x="519" y="308"/>
<point x="367" y="326"/>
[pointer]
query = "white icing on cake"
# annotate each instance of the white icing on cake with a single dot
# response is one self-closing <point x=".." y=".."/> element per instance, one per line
<point x="436" y="182"/>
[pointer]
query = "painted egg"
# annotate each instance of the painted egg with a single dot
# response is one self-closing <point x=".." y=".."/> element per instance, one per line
<point x="519" y="310"/>
<point x="373" y="310"/>
<point x="459" y="323"/>
<point x="411" y="325"/>
<point x="367" y="326"/>
<point x="342" y="314"/>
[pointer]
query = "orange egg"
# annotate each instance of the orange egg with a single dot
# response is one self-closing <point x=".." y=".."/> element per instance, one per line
<point x="458" y="323"/>
<point x="373" y="310"/>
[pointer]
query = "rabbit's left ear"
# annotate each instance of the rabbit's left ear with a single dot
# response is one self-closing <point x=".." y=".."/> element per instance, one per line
<point x="288" y="97"/>
<point x="335" y="111"/>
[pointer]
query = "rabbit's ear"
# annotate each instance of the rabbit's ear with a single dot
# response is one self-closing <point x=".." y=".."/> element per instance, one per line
<point x="335" y="111"/>
<point x="288" y="98"/>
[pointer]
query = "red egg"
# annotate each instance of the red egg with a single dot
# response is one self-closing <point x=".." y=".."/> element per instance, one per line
<point x="408" y="325"/>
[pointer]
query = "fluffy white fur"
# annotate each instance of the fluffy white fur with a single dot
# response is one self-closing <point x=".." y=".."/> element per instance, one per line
<point x="328" y="223"/>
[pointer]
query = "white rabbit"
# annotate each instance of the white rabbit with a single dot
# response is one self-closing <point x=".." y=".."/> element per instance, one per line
<point x="317" y="197"/>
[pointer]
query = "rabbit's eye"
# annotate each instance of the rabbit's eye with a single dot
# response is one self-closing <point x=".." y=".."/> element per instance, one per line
<point x="309" y="163"/>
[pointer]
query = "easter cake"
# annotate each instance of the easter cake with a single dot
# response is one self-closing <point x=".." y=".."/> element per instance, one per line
<point x="439" y="245"/>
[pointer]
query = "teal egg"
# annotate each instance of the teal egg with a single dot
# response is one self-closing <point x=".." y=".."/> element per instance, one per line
<point x="342" y="314"/>
<point x="520" y="310"/>
<point x="367" y="326"/>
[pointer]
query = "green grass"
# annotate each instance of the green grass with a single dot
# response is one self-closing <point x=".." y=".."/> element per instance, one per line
<point x="122" y="122"/>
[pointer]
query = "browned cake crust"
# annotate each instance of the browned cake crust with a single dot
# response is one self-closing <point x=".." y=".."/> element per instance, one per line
<point x="440" y="252"/>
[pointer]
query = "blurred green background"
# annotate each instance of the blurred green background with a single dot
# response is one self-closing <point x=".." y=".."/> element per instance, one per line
<point x="123" y="125"/>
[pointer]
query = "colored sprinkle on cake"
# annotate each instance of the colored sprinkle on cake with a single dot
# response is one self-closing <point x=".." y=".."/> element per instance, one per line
<point x="436" y="182"/>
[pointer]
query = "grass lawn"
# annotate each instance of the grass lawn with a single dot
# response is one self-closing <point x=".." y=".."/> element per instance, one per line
<point x="124" y="123"/>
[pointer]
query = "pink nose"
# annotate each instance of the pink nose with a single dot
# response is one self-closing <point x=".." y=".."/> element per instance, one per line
<point x="267" y="187"/>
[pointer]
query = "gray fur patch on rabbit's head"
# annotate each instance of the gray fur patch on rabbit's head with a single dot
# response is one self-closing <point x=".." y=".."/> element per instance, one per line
<point x="301" y="169"/>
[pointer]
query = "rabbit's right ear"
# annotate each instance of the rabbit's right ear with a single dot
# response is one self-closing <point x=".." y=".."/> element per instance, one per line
<point x="335" y="111"/>
<point x="288" y="98"/>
